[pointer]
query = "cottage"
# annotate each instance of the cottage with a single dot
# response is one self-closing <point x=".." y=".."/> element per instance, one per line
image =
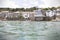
<point x="13" y="16"/>
<point x="31" y="16"/>
<point x="3" y="14"/>
<point x="25" y="14"/>
<point x="6" y="15"/>
<point x="38" y="15"/>
<point x="28" y="15"/>
<point x="58" y="14"/>
<point x="50" y="14"/>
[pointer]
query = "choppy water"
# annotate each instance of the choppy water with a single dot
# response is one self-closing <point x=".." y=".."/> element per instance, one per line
<point x="27" y="30"/>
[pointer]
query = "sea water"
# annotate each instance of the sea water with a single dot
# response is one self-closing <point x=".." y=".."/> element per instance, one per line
<point x="29" y="30"/>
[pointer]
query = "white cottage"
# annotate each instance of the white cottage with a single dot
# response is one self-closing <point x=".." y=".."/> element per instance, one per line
<point x="58" y="14"/>
<point x="28" y="15"/>
<point x="50" y="13"/>
<point x="25" y="14"/>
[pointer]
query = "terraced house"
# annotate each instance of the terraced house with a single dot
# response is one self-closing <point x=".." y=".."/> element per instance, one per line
<point x="36" y="15"/>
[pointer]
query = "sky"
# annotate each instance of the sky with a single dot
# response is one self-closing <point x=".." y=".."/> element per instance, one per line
<point x="29" y="3"/>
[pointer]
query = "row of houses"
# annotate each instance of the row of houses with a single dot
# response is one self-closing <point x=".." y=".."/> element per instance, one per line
<point x="36" y="15"/>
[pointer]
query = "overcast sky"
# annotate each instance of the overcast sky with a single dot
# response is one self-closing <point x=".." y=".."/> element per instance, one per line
<point x="29" y="3"/>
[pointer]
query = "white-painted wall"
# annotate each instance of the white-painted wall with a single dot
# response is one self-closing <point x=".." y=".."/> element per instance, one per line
<point x="50" y="13"/>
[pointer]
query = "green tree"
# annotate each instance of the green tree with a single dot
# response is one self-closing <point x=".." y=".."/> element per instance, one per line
<point x="53" y="8"/>
<point x="20" y="16"/>
<point x="58" y="7"/>
<point x="45" y="8"/>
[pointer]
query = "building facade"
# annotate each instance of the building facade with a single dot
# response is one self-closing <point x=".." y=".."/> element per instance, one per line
<point x="39" y="15"/>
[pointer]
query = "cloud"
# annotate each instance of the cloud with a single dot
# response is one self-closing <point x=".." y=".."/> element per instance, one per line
<point x="29" y="3"/>
<point x="8" y="3"/>
<point x="20" y="3"/>
<point x="51" y="3"/>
